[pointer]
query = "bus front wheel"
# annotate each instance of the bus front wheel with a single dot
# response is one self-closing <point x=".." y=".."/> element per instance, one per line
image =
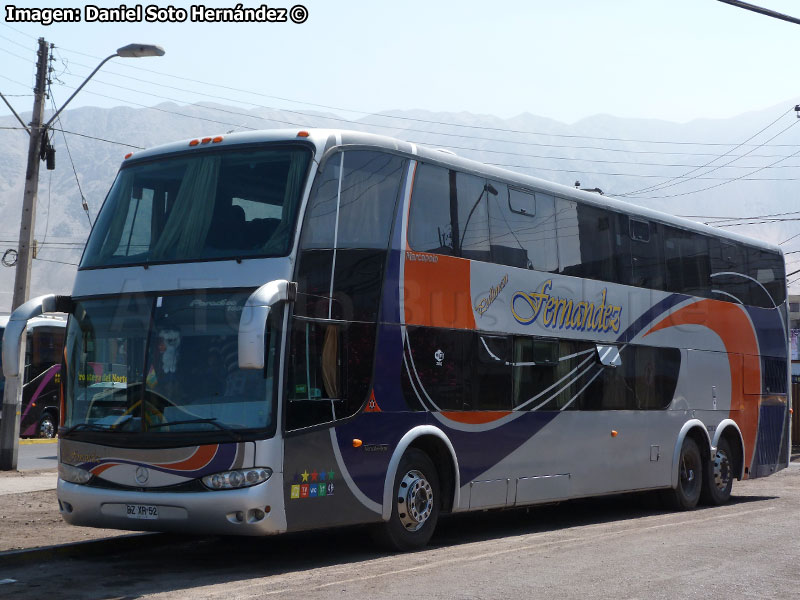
<point x="415" y="504"/>
<point x="690" y="478"/>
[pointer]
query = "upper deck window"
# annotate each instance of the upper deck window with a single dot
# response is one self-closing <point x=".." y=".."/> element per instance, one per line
<point x="201" y="205"/>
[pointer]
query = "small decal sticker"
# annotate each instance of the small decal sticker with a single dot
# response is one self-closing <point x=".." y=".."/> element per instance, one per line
<point x="314" y="484"/>
<point x="439" y="356"/>
<point x="372" y="406"/>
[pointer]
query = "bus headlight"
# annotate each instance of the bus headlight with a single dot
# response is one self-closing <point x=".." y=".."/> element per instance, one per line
<point x="230" y="480"/>
<point x="73" y="474"/>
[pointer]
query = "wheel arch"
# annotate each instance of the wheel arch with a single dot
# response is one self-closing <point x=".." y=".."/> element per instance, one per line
<point x="438" y="447"/>
<point x="729" y="430"/>
<point x="695" y="429"/>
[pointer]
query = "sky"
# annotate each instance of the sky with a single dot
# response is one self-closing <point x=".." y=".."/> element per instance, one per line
<point x="675" y="60"/>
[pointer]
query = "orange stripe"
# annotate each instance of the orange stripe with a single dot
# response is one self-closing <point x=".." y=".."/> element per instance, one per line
<point x="200" y="458"/>
<point x="100" y="468"/>
<point x="732" y="325"/>
<point x="476" y="417"/>
<point x="437" y="294"/>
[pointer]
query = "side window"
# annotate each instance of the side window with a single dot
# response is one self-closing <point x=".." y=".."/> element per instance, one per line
<point x="729" y="277"/>
<point x="361" y="187"/>
<point x="523" y="229"/>
<point x="43" y="349"/>
<point x="491" y="384"/>
<point x="586" y="241"/>
<point x="330" y="365"/>
<point x="645" y="379"/>
<point x="548" y="374"/>
<point x="431" y="221"/>
<point x="449" y="213"/>
<point x="646" y="266"/>
<point x="442" y="365"/>
<point x="687" y="261"/>
<point x="767" y="268"/>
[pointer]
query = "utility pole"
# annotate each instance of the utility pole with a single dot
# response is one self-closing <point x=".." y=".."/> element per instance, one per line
<point x="9" y="427"/>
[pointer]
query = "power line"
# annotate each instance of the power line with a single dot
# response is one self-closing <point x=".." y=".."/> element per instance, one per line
<point x="672" y="182"/>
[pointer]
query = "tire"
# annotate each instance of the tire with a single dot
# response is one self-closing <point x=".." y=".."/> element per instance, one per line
<point x="48" y="427"/>
<point x="415" y="505"/>
<point x="690" y="478"/>
<point x="718" y="482"/>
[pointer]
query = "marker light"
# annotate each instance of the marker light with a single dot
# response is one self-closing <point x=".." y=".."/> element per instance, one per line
<point x="217" y="139"/>
<point x="128" y="155"/>
<point x="302" y="134"/>
<point x="614" y="433"/>
<point x="205" y="140"/>
<point x="194" y="142"/>
<point x="73" y="474"/>
<point x="230" y="480"/>
<point x="357" y="443"/>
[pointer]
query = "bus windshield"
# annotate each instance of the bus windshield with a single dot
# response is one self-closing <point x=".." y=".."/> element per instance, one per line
<point x="161" y="365"/>
<point x="201" y="205"/>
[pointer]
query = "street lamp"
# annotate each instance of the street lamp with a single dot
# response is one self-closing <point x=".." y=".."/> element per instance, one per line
<point x="12" y="395"/>
<point x="129" y="51"/>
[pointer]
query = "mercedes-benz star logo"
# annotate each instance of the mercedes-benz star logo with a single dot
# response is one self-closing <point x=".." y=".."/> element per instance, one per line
<point x="142" y="475"/>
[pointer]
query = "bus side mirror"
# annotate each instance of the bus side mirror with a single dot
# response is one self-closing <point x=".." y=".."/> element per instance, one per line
<point x="18" y="323"/>
<point x="253" y="322"/>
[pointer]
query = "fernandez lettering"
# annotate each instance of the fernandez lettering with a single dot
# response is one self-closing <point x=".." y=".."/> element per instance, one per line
<point x="562" y="313"/>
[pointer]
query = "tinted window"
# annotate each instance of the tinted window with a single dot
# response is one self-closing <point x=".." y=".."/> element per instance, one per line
<point x="523" y="229"/>
<point x="449" y="213"/>
<point x="687" y="262"/>
<point x="329" y="370"/>
<point x="442" y="364"/>
<point x="201" y="205"/>
<point x="641" y="256"/>
<point x="767" y="268"/>
<point x="491" y="384"/>
<point x="586" y="241"/>
<point x="365" y="204"/>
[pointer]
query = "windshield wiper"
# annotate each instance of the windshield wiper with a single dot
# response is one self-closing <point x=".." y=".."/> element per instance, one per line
<point x="89" y="427"/>
<point x="211" y="421"/>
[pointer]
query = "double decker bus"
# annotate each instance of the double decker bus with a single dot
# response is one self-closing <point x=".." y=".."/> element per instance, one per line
<point x="280" y="331"/>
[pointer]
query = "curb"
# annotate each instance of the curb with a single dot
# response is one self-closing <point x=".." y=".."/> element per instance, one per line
<point x="25" y="442"/>
<point x="139" y="541"/>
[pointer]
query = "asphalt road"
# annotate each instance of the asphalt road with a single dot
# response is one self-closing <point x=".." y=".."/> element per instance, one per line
<point x="38" y="454"/>
<point x="615" y="547"/>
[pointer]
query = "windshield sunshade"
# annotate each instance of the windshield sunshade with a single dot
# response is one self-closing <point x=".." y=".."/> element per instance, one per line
<point x="201" y="205"/>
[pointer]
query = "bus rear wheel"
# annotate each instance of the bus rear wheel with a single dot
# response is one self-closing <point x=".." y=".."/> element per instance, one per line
<point x="719" y="481"/>
<point x="415" y="504"/>
<point x="690" y="478"/>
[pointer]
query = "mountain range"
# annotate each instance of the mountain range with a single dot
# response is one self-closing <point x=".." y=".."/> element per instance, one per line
<point x="616" y="155"/>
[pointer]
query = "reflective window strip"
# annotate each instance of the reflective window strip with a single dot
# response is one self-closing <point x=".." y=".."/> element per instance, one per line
<point x="336" y="233"/>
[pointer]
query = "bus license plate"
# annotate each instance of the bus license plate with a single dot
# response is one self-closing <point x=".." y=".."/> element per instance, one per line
<point x="141" y="511"/>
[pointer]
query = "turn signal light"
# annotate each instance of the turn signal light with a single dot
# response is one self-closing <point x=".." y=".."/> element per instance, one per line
<point x="357" y="443"/>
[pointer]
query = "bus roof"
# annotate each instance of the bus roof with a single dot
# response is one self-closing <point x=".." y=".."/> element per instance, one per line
<point x="326" y="139"/>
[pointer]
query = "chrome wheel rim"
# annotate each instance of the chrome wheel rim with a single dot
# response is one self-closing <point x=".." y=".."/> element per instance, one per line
<point x="47" y="429"/>
<point x="414" y="500"/>
<point x="721" y="471"/>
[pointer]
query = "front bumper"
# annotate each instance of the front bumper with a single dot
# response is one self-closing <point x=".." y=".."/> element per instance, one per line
<point x="228" y="512"/>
